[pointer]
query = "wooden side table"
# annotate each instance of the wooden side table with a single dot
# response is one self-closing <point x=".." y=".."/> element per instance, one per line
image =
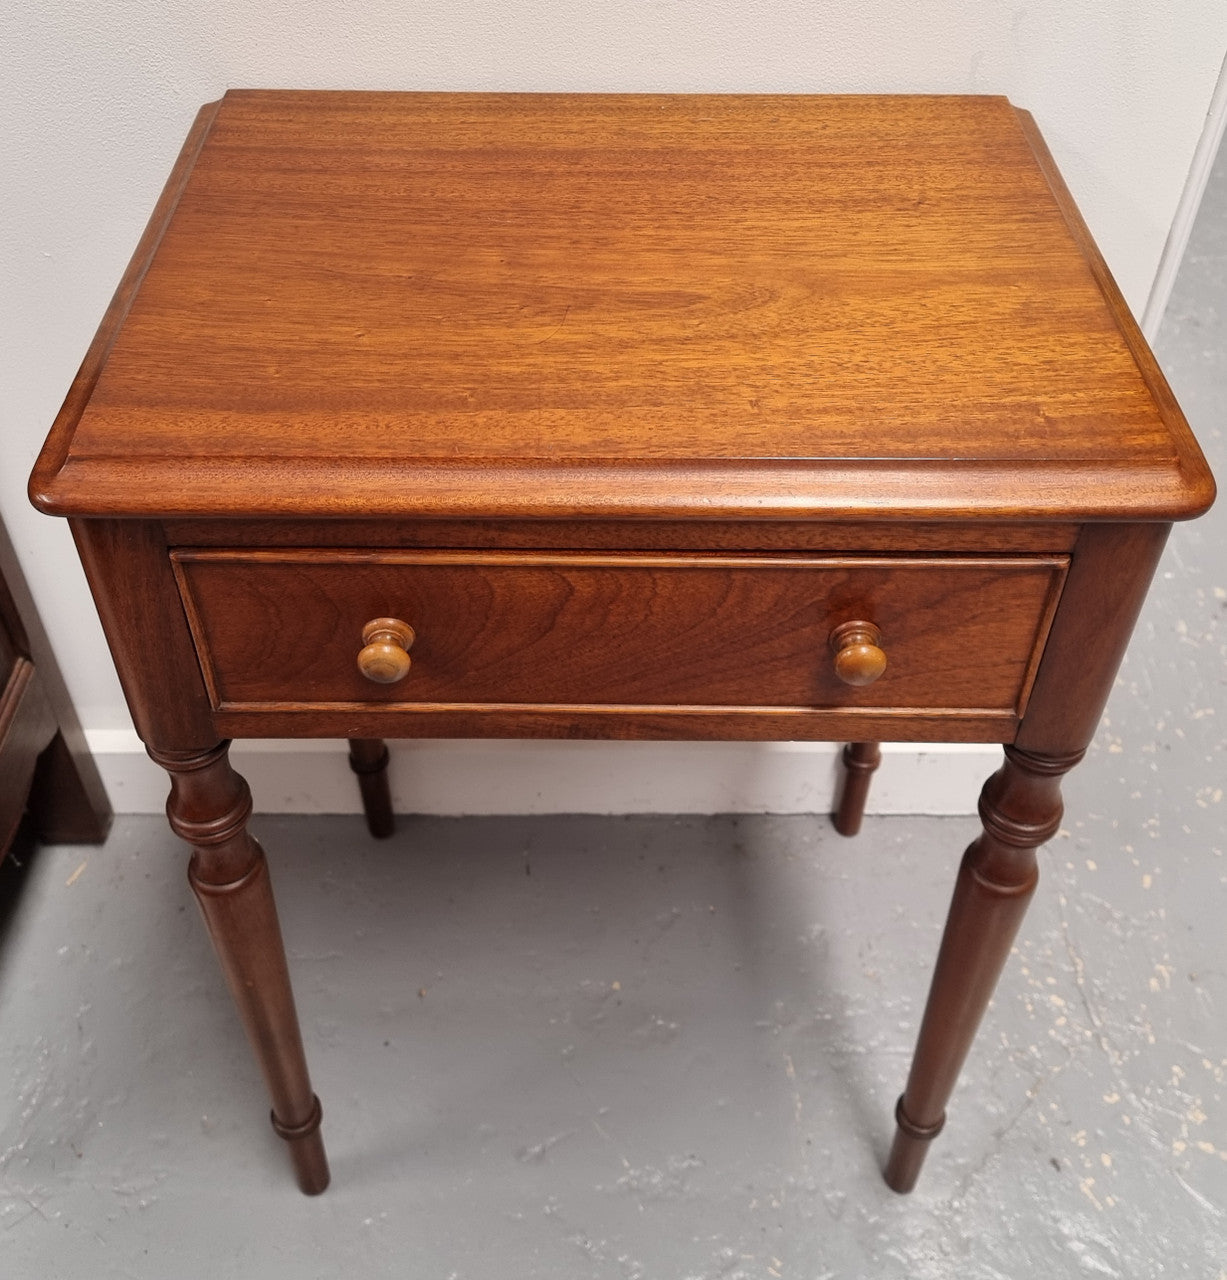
<point x="618" y="417"/>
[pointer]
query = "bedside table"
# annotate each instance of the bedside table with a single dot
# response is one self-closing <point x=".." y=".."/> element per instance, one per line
<point x="688" y="417"/>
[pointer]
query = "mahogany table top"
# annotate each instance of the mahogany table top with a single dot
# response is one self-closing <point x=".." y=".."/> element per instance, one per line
<point x="541" y="305"/>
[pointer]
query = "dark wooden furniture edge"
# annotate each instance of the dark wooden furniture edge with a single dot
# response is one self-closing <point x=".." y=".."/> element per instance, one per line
<point x="45" y="764"/>
<point x="27" y="726"/>
<point x="750" y="488"/>
<point x="695" y="534"/>
<point x="52" y="457"/>
<point x="1193" y="471"/>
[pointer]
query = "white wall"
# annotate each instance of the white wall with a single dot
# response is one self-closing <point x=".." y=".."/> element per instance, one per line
<point x="95" y="99"/>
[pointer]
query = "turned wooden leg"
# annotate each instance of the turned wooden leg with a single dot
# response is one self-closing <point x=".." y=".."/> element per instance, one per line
<point x="208" y="807"/>
<point x="860" y="760"/>
<point x="1020" y="808"/>
<point x="368" y="758"/>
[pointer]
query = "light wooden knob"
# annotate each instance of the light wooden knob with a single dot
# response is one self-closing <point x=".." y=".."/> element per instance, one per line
<point x="859" y="658"/>
<point x="385" y="660"/>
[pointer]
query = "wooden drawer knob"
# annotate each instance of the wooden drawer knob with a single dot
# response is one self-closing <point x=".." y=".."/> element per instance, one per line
<point x="859" y="658"/>
<point x="385" y="660"/>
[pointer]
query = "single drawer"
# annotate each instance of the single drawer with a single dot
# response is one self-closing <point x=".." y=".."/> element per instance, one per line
<point x="283" y="629"/>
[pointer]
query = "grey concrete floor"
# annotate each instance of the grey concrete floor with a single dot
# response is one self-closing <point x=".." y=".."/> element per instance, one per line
<point x="663" y="1048"/>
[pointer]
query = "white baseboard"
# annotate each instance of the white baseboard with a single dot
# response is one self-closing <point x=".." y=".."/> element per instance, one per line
<point x="526" y="777"/>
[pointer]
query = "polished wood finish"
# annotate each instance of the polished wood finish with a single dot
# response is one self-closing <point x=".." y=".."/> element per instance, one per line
<point x="1109" y="575"/>
<point x="127" y="566"/>
<point x="790" y="536"/>
<point x="859" y="657"/>
<point x="625" y="405"/>
<point x="617" y="722"/>
<point x="860" y="761"/>
<point x="385" y="656"/>
<point x="1020" y="807"/>
<point x="537" y="631"/>
<point x="208" y="807"/>
<point x="368" y="758"/>
<point x="632" y="301"/>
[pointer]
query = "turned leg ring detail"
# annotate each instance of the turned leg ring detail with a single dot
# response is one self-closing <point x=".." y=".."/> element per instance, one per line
<point x="295" y="1132"/>
<point x="919" y="1132"/>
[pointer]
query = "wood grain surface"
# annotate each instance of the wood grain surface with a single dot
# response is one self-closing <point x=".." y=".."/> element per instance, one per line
<point x="555" y="305"/>
<point x="665" y="631"/>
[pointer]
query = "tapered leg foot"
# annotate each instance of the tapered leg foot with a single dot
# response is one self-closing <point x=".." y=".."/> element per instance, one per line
<point x="306" y="1149"/>
<point x="908" y="1151"/>
<point x="368" y="758"/>
<point x="1020" y="808"/>
<point x="860" y="759"/>
<point x="208" y="807"/>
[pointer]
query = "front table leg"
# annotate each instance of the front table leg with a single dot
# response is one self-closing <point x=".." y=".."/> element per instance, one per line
<point x="208" y="807"/>
<point x="1020" y="808"/>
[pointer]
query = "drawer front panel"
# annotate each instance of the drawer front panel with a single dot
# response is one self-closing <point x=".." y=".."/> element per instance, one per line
<point x="283" y="628"/>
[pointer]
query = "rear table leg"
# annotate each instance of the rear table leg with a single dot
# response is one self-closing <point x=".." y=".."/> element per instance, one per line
<point x="368" y="758"/>
<point x="860" y="760"/>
